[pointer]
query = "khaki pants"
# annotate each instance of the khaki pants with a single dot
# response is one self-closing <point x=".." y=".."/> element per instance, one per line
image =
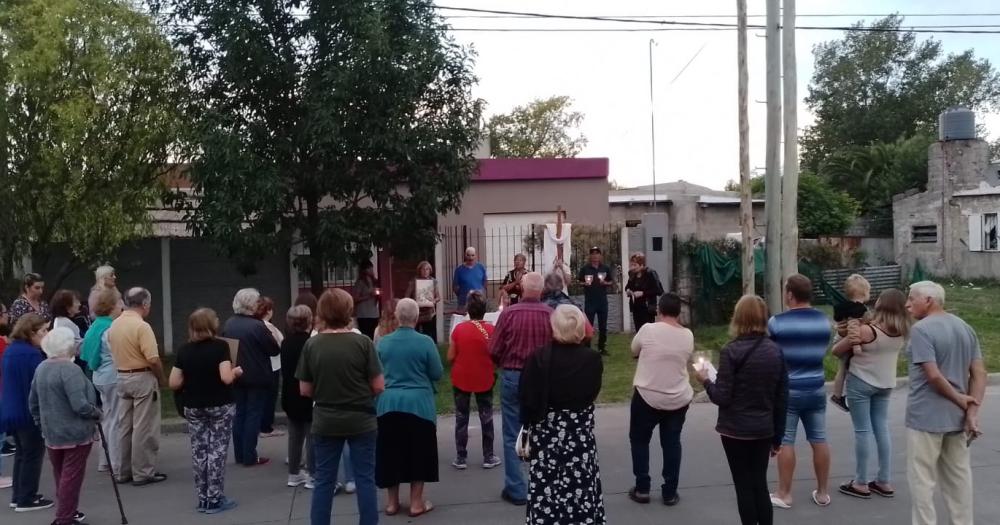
<point x="934" y="459"/>
<point x="138" y="425"/>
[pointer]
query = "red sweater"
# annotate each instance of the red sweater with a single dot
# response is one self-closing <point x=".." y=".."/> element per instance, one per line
<point x="472" y="370"/>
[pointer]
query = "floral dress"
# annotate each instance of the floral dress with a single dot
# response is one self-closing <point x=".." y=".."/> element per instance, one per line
<point x="565" y="484"/>
<point x="21" y="306"/>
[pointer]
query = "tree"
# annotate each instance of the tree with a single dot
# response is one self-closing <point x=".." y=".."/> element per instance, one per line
<point x="884" y="85"/>
<point x="542" y="128"/>
<point x="873" y="174"/>
<point x="823" y="210"/>
<point x="89" y="116"/>
<point x="340" y="124"/>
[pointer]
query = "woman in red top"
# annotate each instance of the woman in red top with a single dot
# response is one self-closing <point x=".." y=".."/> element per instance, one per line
<point x="472" y="375"/>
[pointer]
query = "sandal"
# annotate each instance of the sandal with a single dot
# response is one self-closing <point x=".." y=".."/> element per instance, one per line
<point x="428" y="506"/>
<point x="827" y="503"/>
<point x="779" y="503"/>
<point x="874" y="487"/>
<point x="848" y="489"/>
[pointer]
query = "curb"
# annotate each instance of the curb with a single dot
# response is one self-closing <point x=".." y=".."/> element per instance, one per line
<point x="176" y="425"/>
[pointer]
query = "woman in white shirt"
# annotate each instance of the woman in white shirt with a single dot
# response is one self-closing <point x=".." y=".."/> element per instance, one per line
<point x="661" y="398"/>
<point x="65" y="305"/>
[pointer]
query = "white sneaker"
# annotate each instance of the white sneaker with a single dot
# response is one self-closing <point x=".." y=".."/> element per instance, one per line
<point x="296" y="480"/>
<point x="310" y="482"/>
<point x="6" y="482"/>
<point x="350" y="487"/>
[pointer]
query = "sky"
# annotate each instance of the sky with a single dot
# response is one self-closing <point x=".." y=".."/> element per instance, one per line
<point x="607" y="74"/>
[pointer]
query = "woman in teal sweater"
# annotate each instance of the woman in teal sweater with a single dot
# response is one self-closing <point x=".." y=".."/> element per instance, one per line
<point x="406" y="446"/>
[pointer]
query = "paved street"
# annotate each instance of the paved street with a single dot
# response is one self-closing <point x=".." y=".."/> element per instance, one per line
<point x="473" y="496"/>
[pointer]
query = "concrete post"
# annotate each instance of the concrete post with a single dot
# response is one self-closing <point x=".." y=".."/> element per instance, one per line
<point x="167" y="299"/>
<point x="438" y="268"/>
<point x="626" y="318"/>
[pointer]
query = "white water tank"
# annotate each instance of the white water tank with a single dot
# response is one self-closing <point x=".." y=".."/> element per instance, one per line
<point x="957" y="123"/>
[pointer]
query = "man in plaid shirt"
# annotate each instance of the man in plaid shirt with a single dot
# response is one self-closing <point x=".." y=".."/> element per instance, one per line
<point x="521" y="330"/>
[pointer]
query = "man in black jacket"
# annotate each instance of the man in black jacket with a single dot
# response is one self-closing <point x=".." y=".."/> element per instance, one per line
<point x="256" y="346"/>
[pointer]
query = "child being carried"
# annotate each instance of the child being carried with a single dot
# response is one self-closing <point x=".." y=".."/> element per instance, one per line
<point x="848" y="317"/>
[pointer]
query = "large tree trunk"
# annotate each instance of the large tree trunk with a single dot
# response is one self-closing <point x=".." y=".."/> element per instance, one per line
<point x="317" y="262"/>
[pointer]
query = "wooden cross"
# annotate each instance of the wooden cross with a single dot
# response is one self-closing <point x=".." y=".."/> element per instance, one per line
<point x="560" y="215"/>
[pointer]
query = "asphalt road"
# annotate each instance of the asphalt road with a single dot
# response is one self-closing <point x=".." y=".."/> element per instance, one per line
<point x="473" y="496"/>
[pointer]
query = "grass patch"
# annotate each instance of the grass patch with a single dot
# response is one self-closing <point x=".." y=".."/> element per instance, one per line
<point x="975" y="303"/>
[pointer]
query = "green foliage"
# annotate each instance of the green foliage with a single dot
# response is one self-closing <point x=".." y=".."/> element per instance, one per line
<point x="89" y="98"/>
<point x="823" y="210"/>
<point x="542" y="128"/>
<point x="342" y="124"/>
<point x="879" y="86"/>
<point x="873" y="174"/>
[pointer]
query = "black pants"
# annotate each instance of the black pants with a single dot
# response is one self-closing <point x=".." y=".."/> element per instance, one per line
<point x="641" y="315"/>
<point x="267" y="419"/>
<point x="367" y="326"/>
<point x="748" y="461"/>
<point x="27" y="464"/>
<point x="601" y="325"/>
<point x="642" y="421"/>
<point x="429" y="328"/>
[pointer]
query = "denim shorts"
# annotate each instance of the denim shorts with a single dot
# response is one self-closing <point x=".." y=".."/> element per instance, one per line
<point x="810" y="408"/>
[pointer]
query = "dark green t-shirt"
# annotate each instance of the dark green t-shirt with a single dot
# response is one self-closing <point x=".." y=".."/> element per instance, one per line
<point x="340" y="367"/>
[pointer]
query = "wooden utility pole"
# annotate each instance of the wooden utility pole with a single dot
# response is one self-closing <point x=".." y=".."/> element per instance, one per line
<point x="746" y="195"/>
<point x="790" y="171"/>
<point x="772" y="161"/>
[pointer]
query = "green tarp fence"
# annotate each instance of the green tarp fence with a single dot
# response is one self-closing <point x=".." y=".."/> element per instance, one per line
<point x="719" y="270"/>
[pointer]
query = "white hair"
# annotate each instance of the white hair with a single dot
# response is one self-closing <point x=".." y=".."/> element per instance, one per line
<point x="137" y="298"/>
<point x="245" y="301"/>
<point x="533" y="282"/>
<point x="568" y="324"/>
<point x="471" y="249"/>
<point x="103" y="272"/>
<point x="929" y="289"/>
<point x="60" y="342"/>
<point x="407" y="312"/>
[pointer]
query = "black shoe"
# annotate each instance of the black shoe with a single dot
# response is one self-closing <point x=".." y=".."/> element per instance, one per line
<point x="38" y="503"/>
<point x="671" y="501"/>
<point x="158" y="477"/>
<point x="79" y="518"/>
<point x="7" y="450"/>
<point x="512" y="500"/>
<point x="638" y="497"/>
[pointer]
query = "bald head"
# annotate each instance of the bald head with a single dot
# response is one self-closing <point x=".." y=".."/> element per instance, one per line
<point x="532" y="285"/>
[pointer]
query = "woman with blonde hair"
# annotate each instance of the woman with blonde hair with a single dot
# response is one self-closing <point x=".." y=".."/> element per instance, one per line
<point x="387" y="323"/>
<point x="427" y="324"/>
<point x="559" y="385"/>
<point x="205" y="371"/>
<point x="869" y="384"/>
<point x="105" y="278"/>
<point x="751" y="390"/>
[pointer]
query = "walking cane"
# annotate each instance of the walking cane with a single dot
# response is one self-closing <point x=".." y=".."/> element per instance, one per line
<point x="111" y="471"/>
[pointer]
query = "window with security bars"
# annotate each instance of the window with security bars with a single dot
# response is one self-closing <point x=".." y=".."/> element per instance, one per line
<point x="924" y="234"/>
<point x="983" y="232"/>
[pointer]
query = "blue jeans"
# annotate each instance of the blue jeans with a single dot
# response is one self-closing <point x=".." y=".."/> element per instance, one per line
<point x="510" y="405"/>
<point x="870" y="415"/>
<point x="346" y="471"/>
<point x="250" y="406"/>
<point x="810" y="408"/>
<point x="327" y="451"/>
<point x="642" y="421"/>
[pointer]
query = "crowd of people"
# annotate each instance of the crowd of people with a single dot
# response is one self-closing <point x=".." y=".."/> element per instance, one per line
<point x="358" y="388"/>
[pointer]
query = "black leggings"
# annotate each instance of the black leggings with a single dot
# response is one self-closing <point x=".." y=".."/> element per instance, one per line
<point x="748" y="461"/>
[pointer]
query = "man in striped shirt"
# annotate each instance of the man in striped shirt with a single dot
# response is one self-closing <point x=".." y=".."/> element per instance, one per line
<point x="804" y="335"/>
<point x="521" y="330"/>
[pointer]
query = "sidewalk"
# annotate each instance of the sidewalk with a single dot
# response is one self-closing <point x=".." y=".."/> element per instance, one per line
<point x="473" y="496"/>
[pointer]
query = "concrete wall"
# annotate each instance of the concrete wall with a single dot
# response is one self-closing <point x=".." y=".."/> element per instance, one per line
<point x="585" y="201"/>
<point x="953" y="166"/>
<point x="688" y="218"/>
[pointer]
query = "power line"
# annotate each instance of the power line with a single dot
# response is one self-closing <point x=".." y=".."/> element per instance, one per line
<point x="798" y="15"/>
<point x="713" y="25"/>
<point x="677" y="29"/>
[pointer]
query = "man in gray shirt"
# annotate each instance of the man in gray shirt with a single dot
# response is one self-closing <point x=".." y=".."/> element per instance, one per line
<point x="947" y="385"/>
